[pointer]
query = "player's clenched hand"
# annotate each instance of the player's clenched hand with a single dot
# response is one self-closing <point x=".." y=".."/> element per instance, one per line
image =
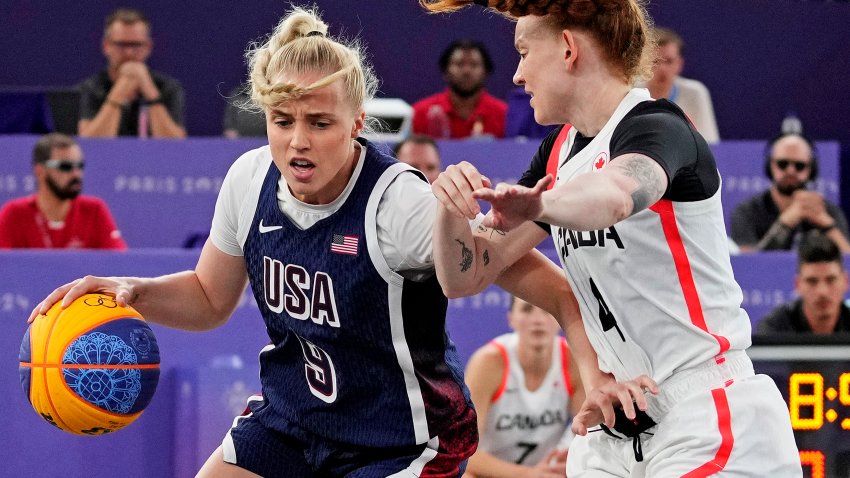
<point x="513" y="204"/>
<point x="119" y="287"/>
<point x="454" y="188"/>
<point x="599" y="405"/>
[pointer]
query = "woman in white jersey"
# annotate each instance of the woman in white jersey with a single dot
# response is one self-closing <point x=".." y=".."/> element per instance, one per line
<point x="525" y="388"/>
<point x="359" y="378"/>
<point x="636" y="218"/>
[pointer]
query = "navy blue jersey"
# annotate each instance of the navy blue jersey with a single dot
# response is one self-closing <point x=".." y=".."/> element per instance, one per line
<point x="359" y="354"/>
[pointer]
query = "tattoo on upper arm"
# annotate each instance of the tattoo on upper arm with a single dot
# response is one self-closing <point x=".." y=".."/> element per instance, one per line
<point x="486" y="257"/>
<point x="643" y="171"/>
<point x="465" y="256"/>
<point x="497" y="231"/>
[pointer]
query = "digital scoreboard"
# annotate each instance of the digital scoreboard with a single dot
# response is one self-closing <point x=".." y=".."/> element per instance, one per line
<point x="815" y="381"/>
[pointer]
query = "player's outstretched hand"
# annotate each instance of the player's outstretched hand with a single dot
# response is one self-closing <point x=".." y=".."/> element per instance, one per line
<point x="599" y="405"/>
<point x="454" y="188"/>
<point x="513" y="204"/>
<point x="114" y="286"/>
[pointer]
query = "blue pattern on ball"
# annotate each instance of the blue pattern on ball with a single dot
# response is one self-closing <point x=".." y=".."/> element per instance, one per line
<point x="115" y="390"/>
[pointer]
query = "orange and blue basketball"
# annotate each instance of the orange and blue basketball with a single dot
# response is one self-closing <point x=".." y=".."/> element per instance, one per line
<point x="91" y="368"/>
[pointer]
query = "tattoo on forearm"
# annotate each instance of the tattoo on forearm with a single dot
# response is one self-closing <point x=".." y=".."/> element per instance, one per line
<point x="645" y="174"/>
<point x="496" y="231"/>
<point x="465" y="256"/>
<point x="486" y="257"/>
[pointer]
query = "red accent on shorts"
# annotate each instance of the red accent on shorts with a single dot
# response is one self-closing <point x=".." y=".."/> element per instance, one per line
<point x="727" y="440"/>
<point x="507" y="362"/>
<point x="565" y="366"/>
<point x="664" y="209"/>
<point x="457" y="443"/>
<point x="552" y="163"/>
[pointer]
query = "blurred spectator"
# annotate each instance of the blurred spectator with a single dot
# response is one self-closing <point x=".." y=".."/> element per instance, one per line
<point x="241" y="118"/>
<point x="821" y="284"/>
<point x="464" y="109"/>
<point x="524" y="393"/>
<point x="691" y="95"/>
<point x="778" y="218"/>
<point x="127" y="98"/>
<point x="57" y="216"/>
<point x="520" y="117"/>
<point x="422" y="153"/>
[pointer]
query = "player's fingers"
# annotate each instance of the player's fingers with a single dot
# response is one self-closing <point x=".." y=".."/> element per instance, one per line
<point x="543" y="183"/>
<point x="52" y="298"/>
<point x="86" y="285"/>
<point x="124" y="296"/>
<point x="446" y="201"/>
<point x="460" y="189"/>
<point x="625" y="396"/>
<point x="579" y="428"/>
<point x="471" y="174"/>
<point x="647" y="383"/>
<point x="485" y="194"/>
<point x="446" y="189"/>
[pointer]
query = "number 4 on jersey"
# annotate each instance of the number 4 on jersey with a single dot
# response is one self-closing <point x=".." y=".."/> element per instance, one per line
<point x="605" y="315"/>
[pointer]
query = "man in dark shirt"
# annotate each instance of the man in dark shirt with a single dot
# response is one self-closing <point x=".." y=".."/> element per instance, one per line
<point x="777" y="218"/>
<point x="128" y="99"/>
<point x="821" y="283"/>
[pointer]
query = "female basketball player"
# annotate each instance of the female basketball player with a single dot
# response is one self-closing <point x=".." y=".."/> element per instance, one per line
<point x="636" y="218"/>
<point x="525" y="388"/>
<point x="335" y="239"/>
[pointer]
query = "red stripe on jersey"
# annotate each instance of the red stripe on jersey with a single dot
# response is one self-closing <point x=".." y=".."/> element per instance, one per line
<point x="552" y="163"/>
<point x="664" y="209"/>
<point x="727" y="440"/>
<point x="506" y="360"/>
<point x="565" y="367"/>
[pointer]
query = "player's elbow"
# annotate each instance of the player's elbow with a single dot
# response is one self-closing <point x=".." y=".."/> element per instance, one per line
<point x="463" y="289"/>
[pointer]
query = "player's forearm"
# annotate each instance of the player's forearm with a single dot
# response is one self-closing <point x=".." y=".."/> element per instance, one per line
<point x="178" y="301"/>
<point x="589" y="202"/>
<point x="459" y="265"/>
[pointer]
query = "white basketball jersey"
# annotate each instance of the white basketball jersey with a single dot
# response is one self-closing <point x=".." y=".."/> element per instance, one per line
<point x="656" y="290"/>
<point x="523" y="425"/>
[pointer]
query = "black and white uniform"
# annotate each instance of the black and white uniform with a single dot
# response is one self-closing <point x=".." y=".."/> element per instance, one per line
<point x="658" y="297"/>
<point x="524" y="425"/>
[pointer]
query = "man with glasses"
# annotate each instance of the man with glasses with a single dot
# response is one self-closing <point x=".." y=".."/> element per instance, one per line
<point x="57" y="216"/>
<point x="127" y="98"/>
<point x="778" y="218"/>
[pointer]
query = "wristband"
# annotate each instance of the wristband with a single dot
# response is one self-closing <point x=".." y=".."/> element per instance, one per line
<point x="156" y="101"/>
<point x="116" y="104"/>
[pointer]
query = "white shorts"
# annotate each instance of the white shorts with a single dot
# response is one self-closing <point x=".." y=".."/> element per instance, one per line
<point x="738" y="427"/>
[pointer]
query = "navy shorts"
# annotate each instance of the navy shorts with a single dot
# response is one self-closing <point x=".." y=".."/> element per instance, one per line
<point x="298" y="453"/>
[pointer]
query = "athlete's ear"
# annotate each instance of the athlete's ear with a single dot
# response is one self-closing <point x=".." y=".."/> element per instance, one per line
<point x="359" y="123"/>
<point x="570" y="48"/>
